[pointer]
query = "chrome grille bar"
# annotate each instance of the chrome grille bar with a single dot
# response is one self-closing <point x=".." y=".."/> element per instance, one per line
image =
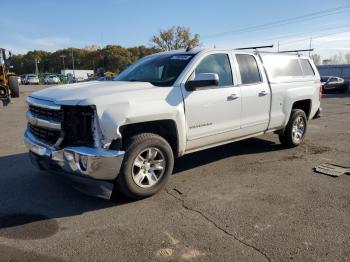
<point x="42" y="103"/>
<point x="45" y="121"/>
<point x="35" y="121"/>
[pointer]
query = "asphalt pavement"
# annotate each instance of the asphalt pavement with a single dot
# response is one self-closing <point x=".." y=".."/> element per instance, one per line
<point x="247" y="201"/>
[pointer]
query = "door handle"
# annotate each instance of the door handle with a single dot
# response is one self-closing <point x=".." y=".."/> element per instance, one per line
<point x="263" y="93"/>
<point x="232" y="97"/>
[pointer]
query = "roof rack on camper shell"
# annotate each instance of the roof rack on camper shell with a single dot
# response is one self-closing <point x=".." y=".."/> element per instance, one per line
<point x="254" y="47"/>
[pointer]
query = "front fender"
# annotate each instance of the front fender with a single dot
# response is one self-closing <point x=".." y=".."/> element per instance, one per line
<point x="121" y="114"/>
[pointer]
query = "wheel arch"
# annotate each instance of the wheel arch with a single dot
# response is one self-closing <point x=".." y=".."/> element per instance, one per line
<point x="305" y="105"/>
<point x="165" y="128"/>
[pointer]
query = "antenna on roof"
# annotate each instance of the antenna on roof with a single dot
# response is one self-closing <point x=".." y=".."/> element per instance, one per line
<point x="254" y="47"/>
<point x="297" y="51"/>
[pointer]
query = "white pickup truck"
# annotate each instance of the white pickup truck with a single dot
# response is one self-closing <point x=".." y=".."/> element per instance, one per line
<point x="126" y="133"/>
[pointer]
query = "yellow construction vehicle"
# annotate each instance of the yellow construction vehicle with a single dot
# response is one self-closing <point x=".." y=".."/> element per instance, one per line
<point x="9" y="86"/>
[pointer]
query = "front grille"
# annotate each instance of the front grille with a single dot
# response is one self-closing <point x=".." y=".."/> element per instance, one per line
<point x="46" y="135"/>
<point x="44" y="113"/>
<point x="78" y="126"/>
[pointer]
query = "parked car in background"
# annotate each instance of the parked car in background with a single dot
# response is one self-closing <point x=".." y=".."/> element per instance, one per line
<point x="93" y="78"/>
<point x="52" y="79"/>
<point x="31" y="80"/>
<point x="333" y="84"/>
<point x="105" y="78"/>
<point x="79" y="79"/>
<point x="23" y="79"/>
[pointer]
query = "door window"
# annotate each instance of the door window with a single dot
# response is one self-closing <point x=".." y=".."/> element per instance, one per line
<point x="249" y="69"/>
<point x="216" y="64"/>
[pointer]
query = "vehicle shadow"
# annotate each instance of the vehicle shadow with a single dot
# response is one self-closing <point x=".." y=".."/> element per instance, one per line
<point x="244" y="147"/>
<point x="28" y="195"/>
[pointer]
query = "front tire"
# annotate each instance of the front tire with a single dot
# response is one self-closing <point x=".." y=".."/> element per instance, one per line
<point x="147" y="165"/>
<point x="14" y="86"/>
<point x="294" y="133"/>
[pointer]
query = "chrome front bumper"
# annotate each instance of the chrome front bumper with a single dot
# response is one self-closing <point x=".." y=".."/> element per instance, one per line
<point x="95" y="163"/>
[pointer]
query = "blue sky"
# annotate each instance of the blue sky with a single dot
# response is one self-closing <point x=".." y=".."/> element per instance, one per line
<point x="50" y="25"/>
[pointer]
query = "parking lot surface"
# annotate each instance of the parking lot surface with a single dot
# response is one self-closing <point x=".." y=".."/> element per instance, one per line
<point x="246" y="201"/>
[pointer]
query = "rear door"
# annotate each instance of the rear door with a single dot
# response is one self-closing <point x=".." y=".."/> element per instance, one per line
<point x="255" y="93"/>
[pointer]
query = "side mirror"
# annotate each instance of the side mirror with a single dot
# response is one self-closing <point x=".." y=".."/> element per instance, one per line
<point x="202" y="81"/>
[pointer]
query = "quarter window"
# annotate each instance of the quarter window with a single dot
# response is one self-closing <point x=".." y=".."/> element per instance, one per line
<point x="216" y="64"/>
<point x="282" y="66"/>
<point x="249" y="69"/>
<point x="306" y="67"/>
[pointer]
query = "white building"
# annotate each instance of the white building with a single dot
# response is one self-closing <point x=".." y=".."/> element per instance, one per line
<point x="77" y="74"/>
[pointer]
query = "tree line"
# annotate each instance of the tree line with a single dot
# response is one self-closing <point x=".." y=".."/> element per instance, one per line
<point x="336" y="59"/>
<point x="113" y="58"/>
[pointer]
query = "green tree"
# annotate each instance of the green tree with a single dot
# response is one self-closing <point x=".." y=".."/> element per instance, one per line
<point x="179" y="37"/>
<point x="112" y="58"/>
<point x="26" y="63"/>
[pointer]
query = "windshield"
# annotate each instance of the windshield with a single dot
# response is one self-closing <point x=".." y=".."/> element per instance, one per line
<point x="159" y="70"/>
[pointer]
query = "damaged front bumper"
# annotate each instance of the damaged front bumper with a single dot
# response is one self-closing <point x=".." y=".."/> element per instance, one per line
<point x="93" y="170"/>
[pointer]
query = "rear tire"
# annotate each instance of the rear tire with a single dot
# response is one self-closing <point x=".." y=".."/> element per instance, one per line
<point x="136" y="179"/>
<point x="294" y="133"/>
<point x="343" y="89"/>
<point x="14" y="86"/>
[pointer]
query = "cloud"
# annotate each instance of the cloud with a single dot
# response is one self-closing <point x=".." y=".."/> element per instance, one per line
<point x="343" y="37"/>
<point x="51" y="41"/>
<point x="23" y="44"/>
<point x="45" y="42"/>
<point x="326" y="46"/>
<point x="14" y="48"/>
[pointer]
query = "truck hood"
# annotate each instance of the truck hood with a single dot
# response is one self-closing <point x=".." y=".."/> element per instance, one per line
<point x="87" y="92"/>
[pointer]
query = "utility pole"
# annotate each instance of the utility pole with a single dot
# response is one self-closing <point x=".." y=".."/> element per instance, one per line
<point x="63" y="57"/>
<point x="36" y="66"/>
<point x="73" y="63"/>
<point x="278" y="46"/>
<point x="310" y="46"/>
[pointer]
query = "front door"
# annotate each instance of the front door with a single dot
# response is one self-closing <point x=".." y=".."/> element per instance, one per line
<point x="212" y="114"/>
